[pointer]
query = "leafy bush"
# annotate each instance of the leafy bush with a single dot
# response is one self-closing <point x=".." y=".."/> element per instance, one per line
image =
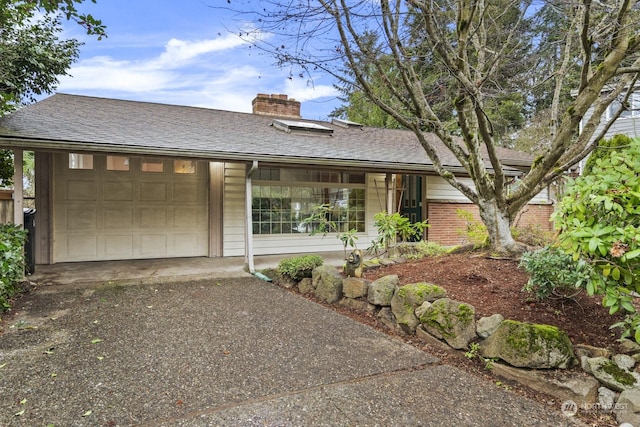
<point x="427" y="248"/>
<point x="475" y="231"/>
<point x="299" y="267"/>
<point x="392" y="226"/>
<point x="12" y="261"/>
<point x="533" y="235"/>
<point x="321" y="221"/>
<point x="599" y="221"/>
<point x="553" y="273"/>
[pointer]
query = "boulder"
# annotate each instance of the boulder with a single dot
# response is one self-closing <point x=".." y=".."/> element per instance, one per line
<point x="409" y="297"/>
<point x="355" y="287"/>
<point x="527" y="345"/>
<point x="627" y="408"/>
<point x="450" y="320"/>
<point x="385" y="315"/>
<point x="306" y="286"/>
<point x="611" y="375"/>
<point x="327" y="282"/>
<point x="583" y="390"/>
<point x="606" y="399"/>
<point x="420" y="310"/>
<point x="381" y="291"/>
<point x="488" y="325"/>
<point x="624" y="361"/>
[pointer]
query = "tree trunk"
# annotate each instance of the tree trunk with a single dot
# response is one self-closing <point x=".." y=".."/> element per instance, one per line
<point x="498" y="223"/>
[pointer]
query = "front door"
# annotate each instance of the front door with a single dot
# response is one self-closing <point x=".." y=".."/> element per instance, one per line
<point x="412" y="197"/>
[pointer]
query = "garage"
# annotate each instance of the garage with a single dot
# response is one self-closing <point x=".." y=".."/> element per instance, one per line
<point x="109" y="207"/>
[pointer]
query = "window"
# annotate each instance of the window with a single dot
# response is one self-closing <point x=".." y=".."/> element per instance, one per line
<point x="283" y="198"/>
<point x="152" y="165"/>
<point x="80" y="161"/>
<point x="117" y="163"/>
<point x="632" y="108"/>
<point x="184" y="166"/>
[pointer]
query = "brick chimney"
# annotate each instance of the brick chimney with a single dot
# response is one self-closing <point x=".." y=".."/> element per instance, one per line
<point x="276" y="105"/>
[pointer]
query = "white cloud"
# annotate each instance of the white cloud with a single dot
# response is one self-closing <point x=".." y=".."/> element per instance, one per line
<point x="213" y="73"/>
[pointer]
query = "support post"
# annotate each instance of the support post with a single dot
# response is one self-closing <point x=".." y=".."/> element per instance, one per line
<point x="18" y="190"/>
<point x="248" y="226"/>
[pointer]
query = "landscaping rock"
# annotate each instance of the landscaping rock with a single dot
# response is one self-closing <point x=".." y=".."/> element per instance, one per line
<point x="488" y="325"/>
<point x="327" y="281"/>
<point x="606" y="399"/>
<point x="591" y="351"/>
<point x="381" y="291"/>
<point x="629" y="346"/>
<point x="624" y="361"/>
<point x="582" y="390"/>
<point x="423" y="307"/>
<point x="385" y="315"/>
<point x="306" y="286"/>
<point x="450" y="320"/>
<point x="527" y="345"/>
<point x="409" y="297"/>
<point x="432" y="341"/>
<point x="611" y="375"/>
<point x="357" y="304"/>
<point x="627" y="408"/>
<point x="355" y="287"/>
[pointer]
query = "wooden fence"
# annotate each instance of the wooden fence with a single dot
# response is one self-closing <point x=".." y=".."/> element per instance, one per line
<point x="6" y="207"/>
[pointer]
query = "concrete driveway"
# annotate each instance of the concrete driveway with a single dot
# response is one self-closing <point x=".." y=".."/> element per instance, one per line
<point x="226" y="352"/>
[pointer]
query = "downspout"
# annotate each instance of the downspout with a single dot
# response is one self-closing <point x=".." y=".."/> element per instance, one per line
<point x="248" y="226"/>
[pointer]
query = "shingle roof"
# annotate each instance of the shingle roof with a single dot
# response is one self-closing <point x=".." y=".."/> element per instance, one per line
<point x="82" y="123"/>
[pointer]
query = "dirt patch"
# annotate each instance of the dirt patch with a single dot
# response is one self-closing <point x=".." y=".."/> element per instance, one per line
<point x="495" y="286"/>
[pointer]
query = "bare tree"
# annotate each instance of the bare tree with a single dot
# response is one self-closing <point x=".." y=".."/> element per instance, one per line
<point x="471" y="41"/>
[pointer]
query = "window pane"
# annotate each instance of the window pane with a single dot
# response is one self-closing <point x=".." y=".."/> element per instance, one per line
<point x="117" y="163"/>
<point x="80" y="161"/>
<point x="152" y="165"/>
<point x="184" y="166"/>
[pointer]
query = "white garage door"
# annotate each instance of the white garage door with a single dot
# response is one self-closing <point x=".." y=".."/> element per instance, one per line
<point x="115" y="208"/>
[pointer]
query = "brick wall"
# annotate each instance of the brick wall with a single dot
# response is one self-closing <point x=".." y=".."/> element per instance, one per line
<point x="276" y="105"/>
<point x="446" y="225"/>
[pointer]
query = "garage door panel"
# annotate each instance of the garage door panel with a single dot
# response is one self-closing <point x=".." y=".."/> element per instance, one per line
<point x="118" y="191"/>
<point x="118" y="218"/>
<point x="186" y="192"/>
<point x="81" y="218"/>
<point x="100" y="214"/>
<point x="118" y="247"/>
<point x="153" y="192"/>
<point x="152" y="217"/>
<point x="81" y="246"/>
<point x="81" y="190"/>
<point x="153" y="245"/>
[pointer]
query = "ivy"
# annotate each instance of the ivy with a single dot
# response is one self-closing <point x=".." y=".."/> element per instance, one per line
<point x="12" y="261"/>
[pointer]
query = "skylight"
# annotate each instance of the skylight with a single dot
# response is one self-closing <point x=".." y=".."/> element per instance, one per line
<point x="301" y="127"/>
<point x="346" y="123"/>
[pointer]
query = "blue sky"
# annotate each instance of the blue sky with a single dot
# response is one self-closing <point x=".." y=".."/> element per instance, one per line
<point x="182" y="52"/>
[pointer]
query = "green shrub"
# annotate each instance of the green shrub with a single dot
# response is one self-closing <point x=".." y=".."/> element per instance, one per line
<point x="553" y="273"/>
<point x="533" y="235"/>
<point x="427" y="248"/>
<point x="12" y="261"/>
<point x="299" y="267"/>
<point x="475" y="231"/>
<point x="599" y="221"/>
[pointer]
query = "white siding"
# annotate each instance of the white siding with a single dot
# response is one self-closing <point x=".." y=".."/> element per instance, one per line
<point x="440" y="190"/>
<point x="234" y="213"/>
<point x="233" y="210"/>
